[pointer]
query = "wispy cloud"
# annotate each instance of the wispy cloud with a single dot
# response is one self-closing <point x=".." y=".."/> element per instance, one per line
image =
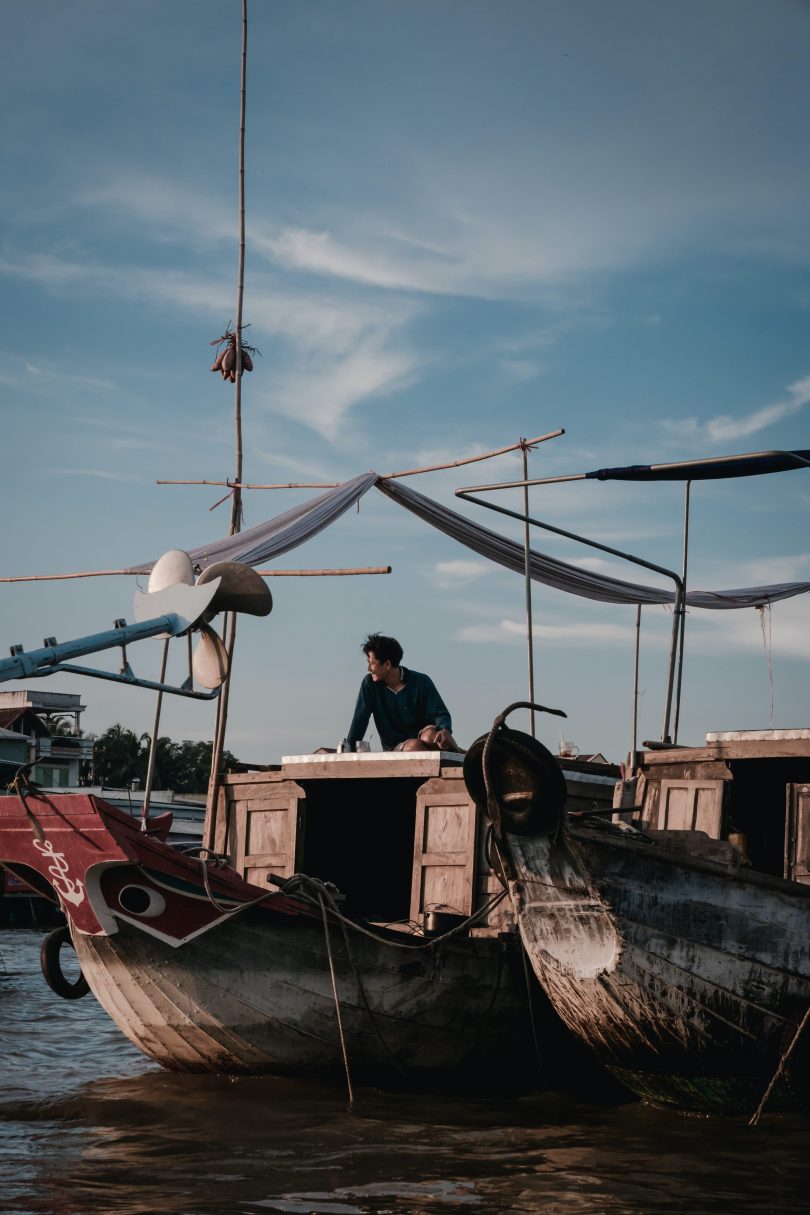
<point x="339" y="353"/>
<point x="782" y="633"/>
<point x="452" y="575"/>
<point x="727" y="427"/>
<point x="321" y="397"/>
<point x="166" y="208"/>
<point x="763" y="571"/>
<point x="102" y="473"/>
<point x="55" y="375"/>
<point x="513" y="632"/>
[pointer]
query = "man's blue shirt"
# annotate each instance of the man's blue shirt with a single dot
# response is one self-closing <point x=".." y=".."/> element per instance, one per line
<point x="398" y="715"/>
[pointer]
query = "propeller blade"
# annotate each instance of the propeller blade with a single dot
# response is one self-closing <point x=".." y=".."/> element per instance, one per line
<point x="171" y="569"/>
<point x="209" y="662"/>
<point x="241" y="589"/>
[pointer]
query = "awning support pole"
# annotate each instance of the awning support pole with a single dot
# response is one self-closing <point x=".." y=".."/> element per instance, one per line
<point x="687" y="494"/>
<point x="528" y="578"/>
<point x="634" y="749"/>
<point x="615" y="552"/>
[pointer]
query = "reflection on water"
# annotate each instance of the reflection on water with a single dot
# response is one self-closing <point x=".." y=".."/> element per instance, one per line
<point x="88" y="1125"/>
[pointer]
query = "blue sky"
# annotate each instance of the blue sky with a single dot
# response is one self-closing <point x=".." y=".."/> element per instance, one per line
<point x="467" y="223"/>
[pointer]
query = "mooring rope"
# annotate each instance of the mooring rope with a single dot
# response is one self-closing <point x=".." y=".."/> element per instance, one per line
<point x="766" y="1095"/>
<point x="338" y="1014"/>
<point x="296" y="885"/>
<point x="23" y="786"/>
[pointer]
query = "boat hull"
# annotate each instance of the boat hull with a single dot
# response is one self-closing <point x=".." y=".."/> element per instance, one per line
<point x="254" y="995"/>
<point x="204" y="971"/>
<point x="687" y="978"/>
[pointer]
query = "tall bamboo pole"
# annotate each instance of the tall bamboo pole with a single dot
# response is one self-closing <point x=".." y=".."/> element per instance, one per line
<point x="236" y="506"/>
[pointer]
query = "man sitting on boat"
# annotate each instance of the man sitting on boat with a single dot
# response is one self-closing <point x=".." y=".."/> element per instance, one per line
<point x="408" y="712"/>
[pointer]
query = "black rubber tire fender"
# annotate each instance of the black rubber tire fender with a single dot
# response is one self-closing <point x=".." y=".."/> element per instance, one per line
<point x="519" y="764"/>
<point x="52" y="966"/>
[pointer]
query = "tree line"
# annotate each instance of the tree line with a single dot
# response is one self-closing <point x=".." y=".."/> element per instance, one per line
<point x="120" y="756"/>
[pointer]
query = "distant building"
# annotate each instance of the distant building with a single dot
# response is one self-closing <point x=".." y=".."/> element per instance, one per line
<point x="596" y="758"/>
<point x="42" y="728"/>
<point x="13" y="753"/>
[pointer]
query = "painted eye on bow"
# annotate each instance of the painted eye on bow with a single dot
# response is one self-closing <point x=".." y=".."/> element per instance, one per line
<point x="140" y="900"/>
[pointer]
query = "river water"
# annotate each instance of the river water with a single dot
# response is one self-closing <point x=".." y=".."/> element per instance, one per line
<point x="88" y="1124"/>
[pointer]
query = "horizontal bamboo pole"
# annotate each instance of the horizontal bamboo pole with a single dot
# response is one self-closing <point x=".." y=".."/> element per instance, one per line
<point x="371" y="569"/>
<point x="335" y="573"/>
<point x="63" y="577"/>
<point x="487" y="455"/>
<point x="247" y="485"/>
<point x="408" y="472"/>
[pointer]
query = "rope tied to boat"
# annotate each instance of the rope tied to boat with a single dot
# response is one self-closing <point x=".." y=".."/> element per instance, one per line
<point x="780" y="1069"/>
<point x="338" y="1014"/>
<point x="298" y="887"/>
<point x="206" y="857"/>
<point x="325" y="894"/>
<point x="24" y="787"/>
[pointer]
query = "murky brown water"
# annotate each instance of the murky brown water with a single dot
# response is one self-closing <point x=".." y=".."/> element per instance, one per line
<point x="88" y="1125"/>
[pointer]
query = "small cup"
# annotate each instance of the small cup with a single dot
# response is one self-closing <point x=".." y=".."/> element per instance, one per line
<point x="363" y="745"/>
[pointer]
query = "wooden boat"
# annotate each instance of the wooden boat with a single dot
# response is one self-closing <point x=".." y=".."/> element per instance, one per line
<point x="250" y="967"/>
<point x="673" y="940"/>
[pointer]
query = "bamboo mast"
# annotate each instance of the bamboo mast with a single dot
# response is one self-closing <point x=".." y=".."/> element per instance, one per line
<point x="236" y="505"/>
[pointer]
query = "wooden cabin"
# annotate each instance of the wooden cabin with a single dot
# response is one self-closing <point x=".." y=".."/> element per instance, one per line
<point x="748" y="788"/>
<point x="396" y="832"/>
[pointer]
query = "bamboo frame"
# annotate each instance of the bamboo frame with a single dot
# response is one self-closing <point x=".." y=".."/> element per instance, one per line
<point x="324" y="573"/>
<point x="523" y="444"/>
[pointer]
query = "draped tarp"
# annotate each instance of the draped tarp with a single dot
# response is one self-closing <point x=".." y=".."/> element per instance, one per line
<point x="571" y="578"/>
<point x="294" y="527"/>
<point x="281" y="533"/>
<point x="751" y="464"/>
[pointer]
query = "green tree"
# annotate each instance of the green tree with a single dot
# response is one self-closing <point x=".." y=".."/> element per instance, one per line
<point x="119" y="757"/>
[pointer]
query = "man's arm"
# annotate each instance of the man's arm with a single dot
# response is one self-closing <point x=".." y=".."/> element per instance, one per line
<point x="435" y="708"/>
<point x="362" y="711"/>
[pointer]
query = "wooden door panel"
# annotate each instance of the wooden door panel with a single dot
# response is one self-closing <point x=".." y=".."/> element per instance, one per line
<point x="691" y="805"/>
<point x="268" y="832"/>
<point x="444" y="849"/>
<point x="797" y="833"/>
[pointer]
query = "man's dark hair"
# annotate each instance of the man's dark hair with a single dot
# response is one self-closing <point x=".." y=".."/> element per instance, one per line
<point x="384" y="649"/>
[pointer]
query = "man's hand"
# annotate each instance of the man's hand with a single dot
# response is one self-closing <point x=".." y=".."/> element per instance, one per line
<point x="445" y="741"/>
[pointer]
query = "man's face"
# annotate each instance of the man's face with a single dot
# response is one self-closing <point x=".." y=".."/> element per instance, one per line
<point x="376" y="669"/>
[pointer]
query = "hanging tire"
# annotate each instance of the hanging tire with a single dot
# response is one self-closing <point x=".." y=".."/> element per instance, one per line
<point x="525" y="777"/>
<point x="52" y="967"/>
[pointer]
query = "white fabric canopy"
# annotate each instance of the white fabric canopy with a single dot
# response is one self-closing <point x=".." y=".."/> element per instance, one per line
<point x="294" y="527"/>
<point x="571" y="578"/>
<point x="281" y="533"/>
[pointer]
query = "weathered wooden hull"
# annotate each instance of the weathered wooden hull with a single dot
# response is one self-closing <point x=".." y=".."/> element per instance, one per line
<point x="206" y="972"/>
<point x="687" y="978"/>
<point x="254" y="995"/>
